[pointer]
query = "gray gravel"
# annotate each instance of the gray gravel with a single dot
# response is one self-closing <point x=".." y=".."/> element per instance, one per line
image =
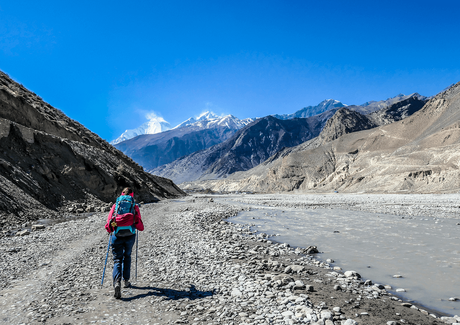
<point x="428" y="205"/>
<point x="193" y="268"/>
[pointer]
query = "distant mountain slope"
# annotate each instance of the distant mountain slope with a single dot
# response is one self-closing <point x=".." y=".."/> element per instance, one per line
<point x="420" y="153"/>
<point x="192" y="135"/>
<point x="309" y="111"/>
<point x="245" y="149"/>
<point x="48" y="161"/>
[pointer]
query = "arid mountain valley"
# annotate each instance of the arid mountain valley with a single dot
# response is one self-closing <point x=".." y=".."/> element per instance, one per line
<point x="333" y="215"/>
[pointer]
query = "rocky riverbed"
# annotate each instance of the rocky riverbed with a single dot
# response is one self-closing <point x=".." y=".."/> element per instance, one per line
<point x="193" y="268"/>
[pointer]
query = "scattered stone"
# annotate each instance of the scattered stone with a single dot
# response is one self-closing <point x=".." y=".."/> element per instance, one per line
<point x="309" y="288"/>
<point x="294" y="269"/>
<point x="326" y="314"/>
<point x="354" y="274"/>
<point x="37" y="227"/>
<point x="23" y="232"/>
<point x="449" y="320"/>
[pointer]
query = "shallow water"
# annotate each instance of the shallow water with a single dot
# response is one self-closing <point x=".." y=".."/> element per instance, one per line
<point x="425" y="251"/>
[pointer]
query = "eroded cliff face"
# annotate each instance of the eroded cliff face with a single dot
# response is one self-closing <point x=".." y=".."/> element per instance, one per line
<point x="419" y="154"/>
<point x="48" y="161"/>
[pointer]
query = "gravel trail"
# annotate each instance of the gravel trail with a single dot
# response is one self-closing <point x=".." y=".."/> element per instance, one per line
<point x="193" y="268"/>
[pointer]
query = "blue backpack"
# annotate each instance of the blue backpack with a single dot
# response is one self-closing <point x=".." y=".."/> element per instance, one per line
<point x="124" y="205"/>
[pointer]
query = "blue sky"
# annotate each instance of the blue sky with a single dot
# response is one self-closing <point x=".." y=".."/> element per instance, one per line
<point x="107" y="64"/>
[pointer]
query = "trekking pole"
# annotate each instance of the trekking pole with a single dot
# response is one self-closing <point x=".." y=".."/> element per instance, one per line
<point x="106" y="257"/>
<point x="137" y="245"/>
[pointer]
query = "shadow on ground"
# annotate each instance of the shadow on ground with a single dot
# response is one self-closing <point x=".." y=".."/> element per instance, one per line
<point x="192" y="293"/>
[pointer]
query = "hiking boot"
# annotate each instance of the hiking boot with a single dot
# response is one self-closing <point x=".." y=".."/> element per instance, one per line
<point x="117" y="287"/>
<point x="126" y="284"/>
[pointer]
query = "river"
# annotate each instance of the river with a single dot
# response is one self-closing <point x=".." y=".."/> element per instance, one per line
<point x="424" y="251"/>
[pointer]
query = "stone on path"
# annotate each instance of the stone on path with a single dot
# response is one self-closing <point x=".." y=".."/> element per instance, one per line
<point x="350" y="274"/>
<point x="23" y="232"/>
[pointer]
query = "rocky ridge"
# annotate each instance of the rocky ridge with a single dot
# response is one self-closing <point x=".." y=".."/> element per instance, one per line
<point x="49" y="162"/>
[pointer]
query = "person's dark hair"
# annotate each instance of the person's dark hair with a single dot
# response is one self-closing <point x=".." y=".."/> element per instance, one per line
<point x="127" y="191"/>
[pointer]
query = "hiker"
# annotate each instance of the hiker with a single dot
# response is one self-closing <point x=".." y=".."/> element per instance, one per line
<point x="123" y="220"/>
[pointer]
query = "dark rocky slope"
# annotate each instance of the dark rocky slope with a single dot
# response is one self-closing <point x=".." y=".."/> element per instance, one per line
<point x="48" y="162"/>
<point x="246" y="149"/>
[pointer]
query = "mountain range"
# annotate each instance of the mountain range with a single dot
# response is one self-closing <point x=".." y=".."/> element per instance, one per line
<point x="153" y="150"/>
<point x="263" y="138"/>
<point x="158" y="149"/>
<point x="247" y="148"/>
<point x="419" y="153"/>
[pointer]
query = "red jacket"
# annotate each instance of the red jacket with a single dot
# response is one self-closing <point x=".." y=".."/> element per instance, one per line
<point x="125" y="219"/>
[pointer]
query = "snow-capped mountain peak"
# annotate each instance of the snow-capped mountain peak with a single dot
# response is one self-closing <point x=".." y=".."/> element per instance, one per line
<point x="207" y="116"/>
<point x="208" y="120"/>
<point x="156" y="124"/>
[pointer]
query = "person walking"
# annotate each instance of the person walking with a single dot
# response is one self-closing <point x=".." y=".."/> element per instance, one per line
<point x="123" y="220"/>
